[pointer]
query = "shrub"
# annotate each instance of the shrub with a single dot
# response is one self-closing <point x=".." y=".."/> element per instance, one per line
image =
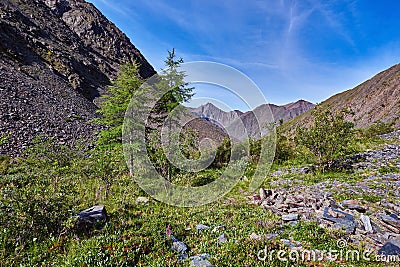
<point x="285" y="147"/>
<point x="328" y="138"/>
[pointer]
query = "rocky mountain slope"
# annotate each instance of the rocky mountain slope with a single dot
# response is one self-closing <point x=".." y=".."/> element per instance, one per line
<point x="56" y="58"/>
<point x="225" y="119"/>
<point x="376" y="100"/>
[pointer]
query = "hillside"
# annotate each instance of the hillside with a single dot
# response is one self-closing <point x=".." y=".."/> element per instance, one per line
<point x="376" y="100"/>
<point x="56" y="59"/>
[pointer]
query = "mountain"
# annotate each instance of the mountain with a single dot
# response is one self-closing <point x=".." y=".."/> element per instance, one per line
<point x="56" y="58"/>
<point x="231" y="119"/>
<point x="216" y="115"/>
<point x="375" y="100"/>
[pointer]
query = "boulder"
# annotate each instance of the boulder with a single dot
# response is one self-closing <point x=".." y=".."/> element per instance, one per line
<point x="92" y="215"/>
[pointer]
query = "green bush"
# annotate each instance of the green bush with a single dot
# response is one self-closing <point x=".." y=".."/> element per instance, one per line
<point x="328" y="138"/>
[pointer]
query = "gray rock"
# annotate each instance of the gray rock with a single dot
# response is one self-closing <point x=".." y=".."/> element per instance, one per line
<point x="367" y="223"/>
<point x="254" y="236"/>
<point x="257" y="237"/>
<point x="290" y="217"/>
<point x="201" y="227"/>
<point x="263" y="194"/>
<point x="390" y="248"/>
<point x="291" y="244"/>
<point x="393" y="220"/>
<point x="178" y="245"/>
<point x="201" y="260"/>
<point x="216" y="229"/>
<point x="222" y="239"/>
<point x="92" y="215"/>
<point x="183" y="256"/>
<point x="353" y="205"/>
<point x="142" y="200"/>
<point x="341" y="219"/>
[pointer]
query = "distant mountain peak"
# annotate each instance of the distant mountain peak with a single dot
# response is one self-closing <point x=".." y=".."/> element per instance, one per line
<point x="223" y="119"/>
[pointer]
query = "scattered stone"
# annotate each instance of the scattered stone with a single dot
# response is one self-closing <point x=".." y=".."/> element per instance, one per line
<point x="263" y="194"/>
<point x="341" y="219"/>
<point x="291" y="244"/>
<point x="391" y="206"/>
<point x="380" y="226"/>
<point x="353" y="205"/>
<point x="367" y="223"/>
<point x="142" y="200"/>
<point x="257" y="237"/>
<point x="390" y="248"/>
<point x="270" y="236"/>
<point x="201" y="260"/>
<point x="316" y="203"/>
<point x="290" y="217"/>
<point x="201" y="227"/>
<point x="183" y="257"/>
<point x="178" y="245"/>
<point x="222" y="239"/>
<point x="392" y="219"/>
<point x="92" y="215"/>
<point x="254" y="236"/>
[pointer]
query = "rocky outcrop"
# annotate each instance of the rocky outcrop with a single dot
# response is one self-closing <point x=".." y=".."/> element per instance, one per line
<point x="56" y="59"/>
<point x="110" y="45"/>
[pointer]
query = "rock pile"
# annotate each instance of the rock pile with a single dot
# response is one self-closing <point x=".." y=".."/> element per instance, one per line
<point x="373" y="223"/>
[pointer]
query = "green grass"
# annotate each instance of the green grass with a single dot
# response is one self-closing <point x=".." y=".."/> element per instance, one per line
<point x="40" y="195"/>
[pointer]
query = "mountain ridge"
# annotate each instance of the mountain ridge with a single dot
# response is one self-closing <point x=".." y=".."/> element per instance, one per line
<point x="229" y="119"/>
<point x="377" y="100"/>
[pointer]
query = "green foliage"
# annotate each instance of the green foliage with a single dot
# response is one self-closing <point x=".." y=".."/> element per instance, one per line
<point x="4" y="138"/>
<point x="189" y="144"/>
<point x="285" y="147"/>
<point x="171" y="80"/>
<point x="328" y="138"/>
<point x="223" y="153"/>
<point x="377" y="129"/>
<point x="114" y="104"/>
<point x="40" y="195"/>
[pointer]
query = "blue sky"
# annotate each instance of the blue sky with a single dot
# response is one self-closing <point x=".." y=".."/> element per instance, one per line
<point x="305" y="49"/>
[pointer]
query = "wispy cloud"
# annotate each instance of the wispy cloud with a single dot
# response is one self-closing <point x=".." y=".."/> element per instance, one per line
<point x="291" y="48"/>
<point x="334" y="18"/>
